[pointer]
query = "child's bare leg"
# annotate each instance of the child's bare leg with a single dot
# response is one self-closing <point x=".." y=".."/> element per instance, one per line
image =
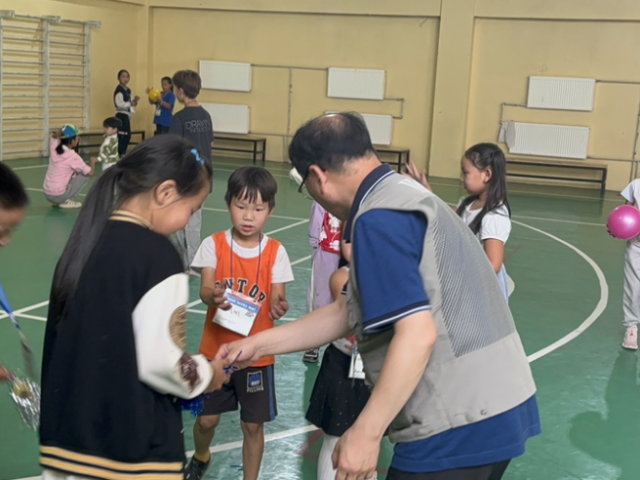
<point x="252" y="449"/>
<point x="204" y="430"/>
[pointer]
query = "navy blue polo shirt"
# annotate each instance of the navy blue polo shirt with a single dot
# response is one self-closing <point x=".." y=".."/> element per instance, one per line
<point x="387" y="249"/>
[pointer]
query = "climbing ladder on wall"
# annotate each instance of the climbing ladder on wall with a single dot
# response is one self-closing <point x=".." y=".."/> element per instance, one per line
<point x="45" y="79"/>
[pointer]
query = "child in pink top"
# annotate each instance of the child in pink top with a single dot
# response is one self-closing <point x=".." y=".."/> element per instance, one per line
<point x="67" y="172"/>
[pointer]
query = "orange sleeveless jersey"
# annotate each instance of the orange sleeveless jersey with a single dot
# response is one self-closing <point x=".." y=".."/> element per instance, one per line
<point x="245" y="271"/>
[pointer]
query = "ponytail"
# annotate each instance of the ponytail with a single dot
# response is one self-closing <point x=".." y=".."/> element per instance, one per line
<point x="64" y="142"/>
<point x="91" y="221"/>
<point x="154" y="161"/>
<point x="484" y="156"/>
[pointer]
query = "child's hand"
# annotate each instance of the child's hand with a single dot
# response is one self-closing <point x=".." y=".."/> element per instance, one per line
<point x="219" y="299"/>
<point x="220" y="378"/>
<point x="279" y="308"/>
<point x="148" y="89"/>
<point x="420" y="177"/>
<point x="94" y="159"/>
<point x="4" y="374"/>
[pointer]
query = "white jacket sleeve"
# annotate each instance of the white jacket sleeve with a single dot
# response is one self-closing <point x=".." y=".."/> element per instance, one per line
<point x="120" y="103"/>
<point x="159" y="324"/>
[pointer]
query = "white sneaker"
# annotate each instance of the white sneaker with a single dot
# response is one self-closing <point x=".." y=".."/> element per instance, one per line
<point x="70" y="204"/>
<point x="630" y="340"/>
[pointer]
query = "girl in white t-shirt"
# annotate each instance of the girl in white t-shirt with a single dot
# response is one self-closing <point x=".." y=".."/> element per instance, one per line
<point x="486" y="209"/>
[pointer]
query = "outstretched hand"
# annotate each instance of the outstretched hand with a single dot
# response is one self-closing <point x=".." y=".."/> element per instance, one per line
<point x="421" y="177"/>
<point x="240" y="354"/>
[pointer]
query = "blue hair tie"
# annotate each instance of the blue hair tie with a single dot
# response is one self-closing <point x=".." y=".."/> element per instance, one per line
<point x="197" y="155"/>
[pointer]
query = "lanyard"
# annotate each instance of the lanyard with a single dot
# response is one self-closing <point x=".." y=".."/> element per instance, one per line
<point x="259" y="258"/>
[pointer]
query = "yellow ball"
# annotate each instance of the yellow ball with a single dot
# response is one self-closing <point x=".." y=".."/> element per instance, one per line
<point x="155" y="95"/>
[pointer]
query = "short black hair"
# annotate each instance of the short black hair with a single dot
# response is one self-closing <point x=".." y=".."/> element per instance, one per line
<point x="247" y="182"/>
<point x="167" y="79"/>
<point x="189" y="81"/>
<point x="329" y="141"/>
<point x="12" y="191"/>
<point x="112" y="122"/>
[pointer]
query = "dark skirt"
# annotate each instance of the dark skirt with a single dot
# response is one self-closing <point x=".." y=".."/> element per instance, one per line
<point x="336" y="400"/>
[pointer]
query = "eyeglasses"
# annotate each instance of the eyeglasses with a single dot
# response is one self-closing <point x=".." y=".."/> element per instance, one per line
<point x="304" y="179"/>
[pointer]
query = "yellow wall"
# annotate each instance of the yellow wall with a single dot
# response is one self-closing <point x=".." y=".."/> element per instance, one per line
<point x="114" y="44"/>
<point x="297" y="40"/>
<point x="506" y="53"/>
<point x="454" y="61"/>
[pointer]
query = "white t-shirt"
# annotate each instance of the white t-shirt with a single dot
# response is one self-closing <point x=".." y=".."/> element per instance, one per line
<point x="495" y="224"/>
<point x="632" y="194"/>
<point x="206" y="257"/>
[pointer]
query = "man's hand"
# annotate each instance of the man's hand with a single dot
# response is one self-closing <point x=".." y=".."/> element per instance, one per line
<point x="242" y="353"/>
<point x="356" y="454"/>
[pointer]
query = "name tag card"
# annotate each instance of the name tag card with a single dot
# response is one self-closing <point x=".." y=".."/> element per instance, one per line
<point x="242" y="314"/>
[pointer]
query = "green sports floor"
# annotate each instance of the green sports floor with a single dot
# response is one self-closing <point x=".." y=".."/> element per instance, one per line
<point x="567" y="304"/>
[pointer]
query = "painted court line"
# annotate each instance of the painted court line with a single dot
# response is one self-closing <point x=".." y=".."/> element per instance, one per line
<point x="233" y="445"/>
<point x="224" y="210"/>
<point x="600" y="306"/>
<point x="210" y="209"/>
<point x="574" y="222"/>
<point x="26" y="309"/>
<point x="29" y="167"/>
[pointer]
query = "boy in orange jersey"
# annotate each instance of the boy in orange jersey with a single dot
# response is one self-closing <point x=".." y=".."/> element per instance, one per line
<point x="243" y="277"/>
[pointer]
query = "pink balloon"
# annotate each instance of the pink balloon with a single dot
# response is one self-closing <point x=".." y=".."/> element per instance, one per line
<point x="624" y="222"/>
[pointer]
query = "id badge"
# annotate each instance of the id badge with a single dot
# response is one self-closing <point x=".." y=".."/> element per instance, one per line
<point x="242" y="314"/>
<point x="356" y="370"/>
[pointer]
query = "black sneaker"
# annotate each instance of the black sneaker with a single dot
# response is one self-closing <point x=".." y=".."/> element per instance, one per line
<point x="196" y="469"/>
<point x="311" y="356"/>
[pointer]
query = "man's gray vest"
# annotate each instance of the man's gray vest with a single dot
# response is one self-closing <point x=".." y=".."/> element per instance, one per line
<point x="478" y="368"/>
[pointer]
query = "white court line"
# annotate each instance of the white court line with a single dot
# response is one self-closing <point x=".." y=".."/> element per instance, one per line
<point x="525" y="192"/>
<point x="210" y="209"/>
<point x="233" y="445"/>
<point x="26" y="309"/>
<point x="194" y="310"/>
<point x="288" y="227"/>
<point x="31" y="317"/>
<point x="575" y="222"/>
<point x="600" y="306"/>
<point x="267" y="438"/>
<point x="29" y="167"/>
<point x="224" y="210"/>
